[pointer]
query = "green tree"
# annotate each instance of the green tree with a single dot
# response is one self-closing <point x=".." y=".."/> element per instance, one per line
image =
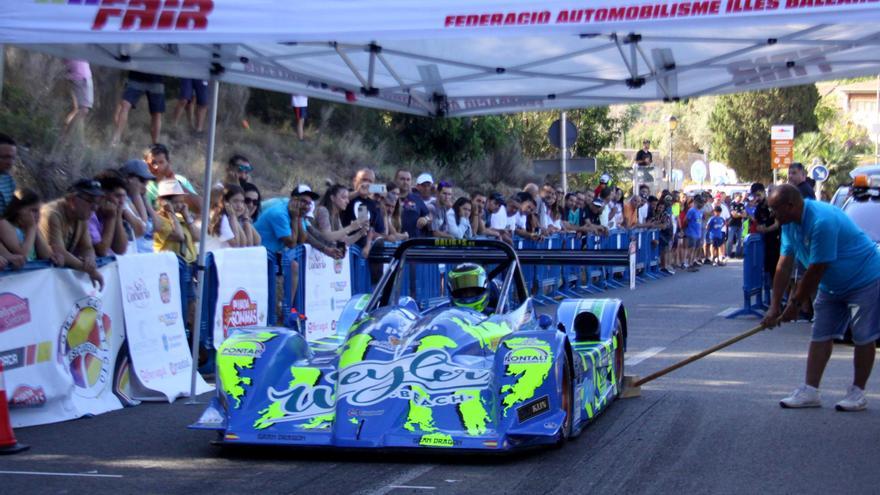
<point x="741" y="124"/>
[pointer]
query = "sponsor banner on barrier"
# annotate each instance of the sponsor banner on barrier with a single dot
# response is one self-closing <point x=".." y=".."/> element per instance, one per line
<point x="242" y="290"/>
<point x="160" y="357"/>
<point x="59" y="353"/>
<point x="327" y="291"/>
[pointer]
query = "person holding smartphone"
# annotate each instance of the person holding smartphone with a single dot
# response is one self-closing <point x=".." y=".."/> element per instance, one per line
<point x="362" y="208"/>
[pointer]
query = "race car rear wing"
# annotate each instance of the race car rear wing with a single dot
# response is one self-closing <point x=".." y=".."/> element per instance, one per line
<point x="430" y="250"/>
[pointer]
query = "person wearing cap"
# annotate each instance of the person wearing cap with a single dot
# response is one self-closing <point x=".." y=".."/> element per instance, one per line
<point x="644" y="157"/>
<point x="159" y="161"/>
<point x="106" y="225"/>
<point x="843" y="266"/>
<point x="138" y="213"/>
<point x="362" y="205"/>
<point x="174" y="229"/>
<point x="797" y="176"/>
<point x="425" y="187"/>
<point x="64" y="225"/>
<point x="415" y="218"/>
<point x="604" y="180"/>
<point x="238" y="170"/>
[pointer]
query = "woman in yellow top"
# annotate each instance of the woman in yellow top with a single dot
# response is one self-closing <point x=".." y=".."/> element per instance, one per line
<point x="174" y="230"/>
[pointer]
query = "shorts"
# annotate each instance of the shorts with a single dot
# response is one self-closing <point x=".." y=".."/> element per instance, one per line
<point x="83" y="92"/>
<point x="717" y="242"/>
<point x="693" y="242"/>
<point x="860" y="308"/>
<point x="197" y="86"/>
<point x="155" y="95"/>
<point x="300" y="112"/>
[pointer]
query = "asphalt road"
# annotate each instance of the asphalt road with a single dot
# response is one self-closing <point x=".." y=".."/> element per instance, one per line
<point x="714" y="426"/>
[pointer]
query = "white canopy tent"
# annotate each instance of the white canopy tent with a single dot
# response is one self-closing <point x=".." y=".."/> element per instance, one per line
<point x="461" y="58"/>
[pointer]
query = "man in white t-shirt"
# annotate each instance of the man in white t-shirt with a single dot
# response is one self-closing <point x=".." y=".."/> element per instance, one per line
<point x="300" y="111"/>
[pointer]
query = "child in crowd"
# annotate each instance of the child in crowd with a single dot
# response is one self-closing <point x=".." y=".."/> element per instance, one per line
<point x="174" y="230"/>
<point x="716" y="236"/>
<point x="693" y="233"/>
<point x="19" y="231"/>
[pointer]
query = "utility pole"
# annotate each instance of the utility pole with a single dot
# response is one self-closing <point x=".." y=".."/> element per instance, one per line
<point x="564" y="136"/>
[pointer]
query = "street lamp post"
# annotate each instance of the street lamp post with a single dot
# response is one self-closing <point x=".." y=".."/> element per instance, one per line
<point x="673" y="123"/>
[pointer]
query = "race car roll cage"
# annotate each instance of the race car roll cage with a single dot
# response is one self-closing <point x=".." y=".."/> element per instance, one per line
<point x="484" y="252"/>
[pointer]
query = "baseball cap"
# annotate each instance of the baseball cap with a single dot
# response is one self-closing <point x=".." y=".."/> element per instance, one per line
<point x="170" y="187"/>
<point x="424" y="177"/>
<point x="86" y="186"/>
<point x="605" y="179"/>
<point x="138" y="168"/>
<point x="304" y="190"/>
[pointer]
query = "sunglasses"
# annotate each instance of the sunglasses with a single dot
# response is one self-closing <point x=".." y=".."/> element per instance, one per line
<point x="251" y="201"/>
<point x="245" y="167"/>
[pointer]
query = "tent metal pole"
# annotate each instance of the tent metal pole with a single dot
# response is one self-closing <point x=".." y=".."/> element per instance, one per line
<point x="564" y="153"/>
<point x="2" y="65"/>
<point x="206" y="209"/>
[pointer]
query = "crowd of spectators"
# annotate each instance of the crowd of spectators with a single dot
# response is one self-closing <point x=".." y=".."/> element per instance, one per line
<point x="144" y="206"/>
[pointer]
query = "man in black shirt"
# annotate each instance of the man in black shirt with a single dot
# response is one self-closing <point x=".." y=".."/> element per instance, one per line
<point x="734" y="226"/>
<point x="644" y="157"/>
<point x="797" y="176"/>
<point x="415" y="218"/>
<point x="765" y="223"/>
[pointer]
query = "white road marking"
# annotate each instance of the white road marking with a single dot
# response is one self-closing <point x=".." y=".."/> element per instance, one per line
<point x="638" y="358"/>
<point x="401" y="480"/>
<point x="41" y="473"/>
<point x="727" y="312"/>
<point x="412" y="487"/>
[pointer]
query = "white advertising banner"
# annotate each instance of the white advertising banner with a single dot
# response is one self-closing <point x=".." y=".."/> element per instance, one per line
<point x="231" y="21"/>
<point x="59" y="351"/>
<point x="328" y="289"/>
<point x="242" y="290"/>
<point x="161" y="359"/>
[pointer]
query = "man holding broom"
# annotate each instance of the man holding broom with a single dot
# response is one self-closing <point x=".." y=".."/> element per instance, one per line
<point x="844" y="265"/>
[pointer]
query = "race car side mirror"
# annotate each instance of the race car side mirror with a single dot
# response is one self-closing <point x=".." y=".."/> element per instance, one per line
<point x="586" y="327"/>
<point x="545" y="321"/>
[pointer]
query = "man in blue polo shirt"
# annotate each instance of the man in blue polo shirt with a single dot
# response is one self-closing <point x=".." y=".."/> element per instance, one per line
<point x="844" y="264"/>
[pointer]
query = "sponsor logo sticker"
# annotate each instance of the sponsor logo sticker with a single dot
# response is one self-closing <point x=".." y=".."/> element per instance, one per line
<point x="84" y="347"/>
<point x="240" y="312"/>
<point x="14" y="311"/>
<point x="27" y="396"/>
<point x="532" y="409"/>
<point x="137" y="294"/>
<point x="164" y="288"/>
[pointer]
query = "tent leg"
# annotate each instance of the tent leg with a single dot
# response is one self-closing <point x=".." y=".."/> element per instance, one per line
<point x="206" y="210"/>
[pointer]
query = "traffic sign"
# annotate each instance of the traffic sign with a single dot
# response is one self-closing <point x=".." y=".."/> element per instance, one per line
<point x="571" y="134"/>
<point x="819" y="173"/>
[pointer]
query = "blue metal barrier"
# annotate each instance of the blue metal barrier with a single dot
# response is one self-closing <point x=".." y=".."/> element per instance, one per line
<point x="753" y="276"/>
<point x="616" y="239"/>
<point x="297" y="254"/>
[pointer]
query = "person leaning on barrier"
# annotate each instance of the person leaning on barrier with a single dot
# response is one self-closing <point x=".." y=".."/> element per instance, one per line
<point x="227" y="227"/>
<point x="20" y="237"/>
<point x="458" y="223"/>
<point x="64" y="225"/>
<point x="415" y="218"/>
<point x="138" y="212"/>
<point x="328" y="217"/>
<point x="174" y="229"/>
<point x="844" y="265"/>
<point x="390" y="204"/>
<point x="478" y="217"/>
<point x="109" y="235"/>
<point x="8" y="155"/>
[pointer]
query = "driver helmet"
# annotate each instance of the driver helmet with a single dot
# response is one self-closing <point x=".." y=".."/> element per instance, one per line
<point x="468" y="286"/>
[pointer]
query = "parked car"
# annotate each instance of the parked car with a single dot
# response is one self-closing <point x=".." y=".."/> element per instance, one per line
<point x="844" y="192"/>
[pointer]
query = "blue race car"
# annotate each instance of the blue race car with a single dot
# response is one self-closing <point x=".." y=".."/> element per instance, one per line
<point x="486" y="370"/>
